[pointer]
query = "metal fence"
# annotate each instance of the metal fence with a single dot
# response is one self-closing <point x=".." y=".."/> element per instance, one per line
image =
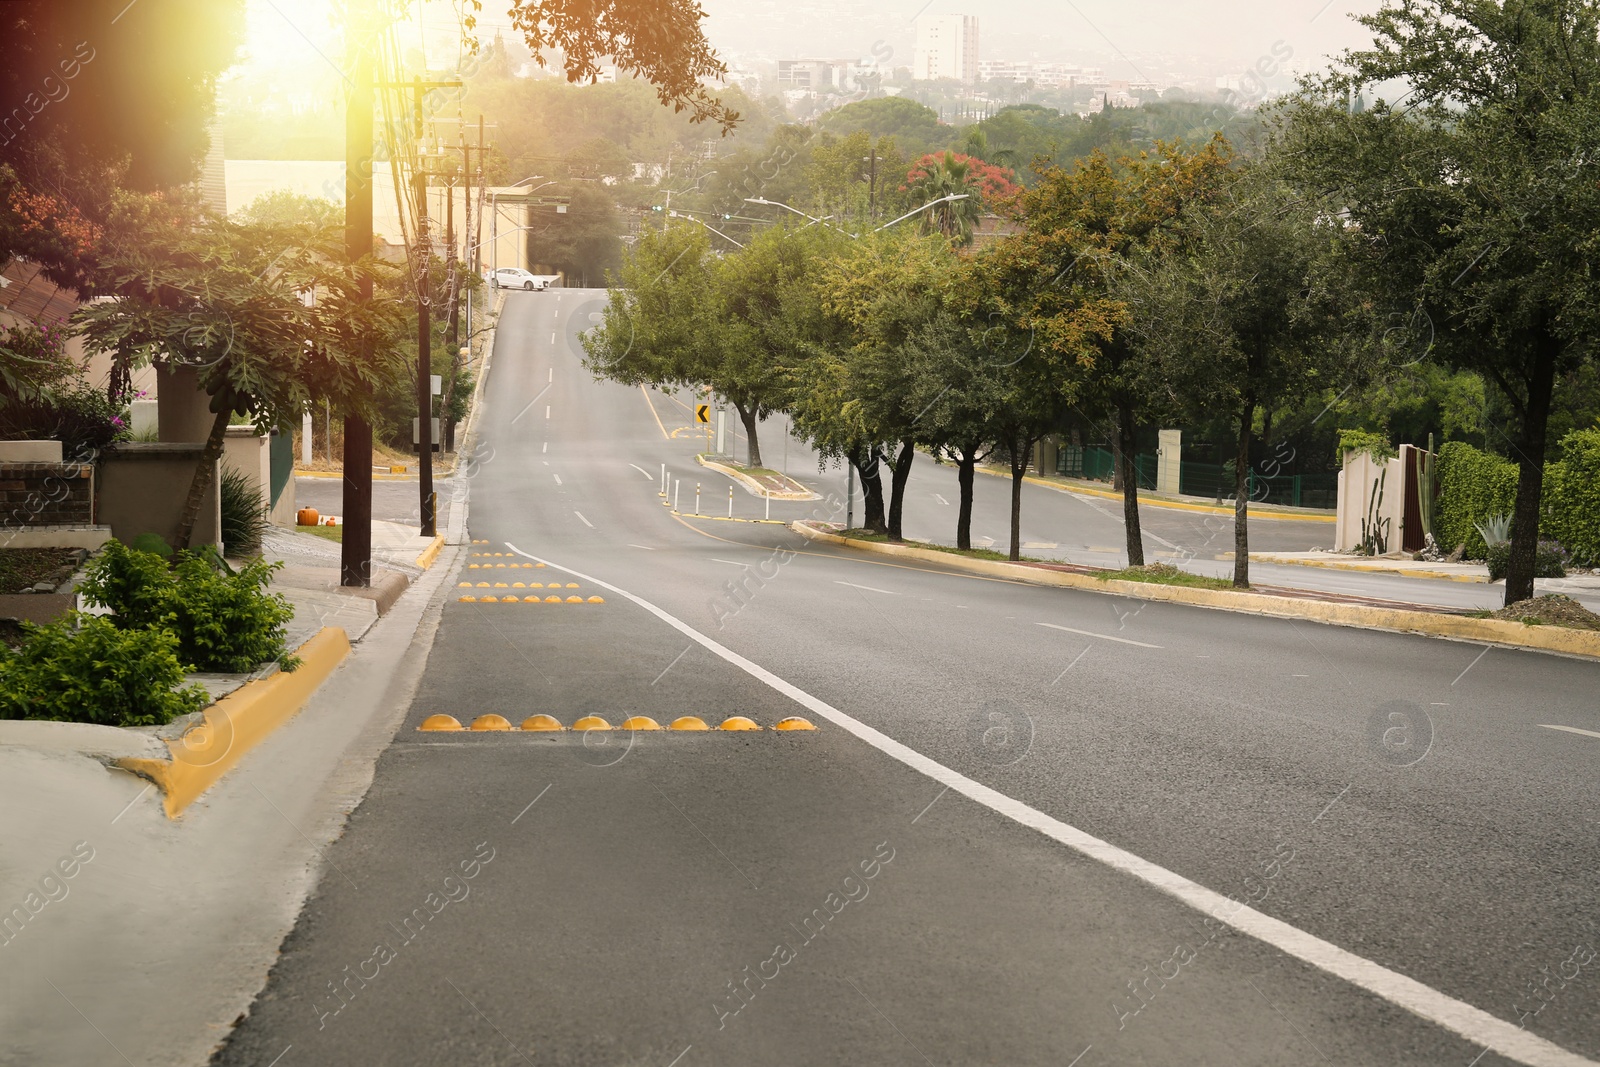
<point x="1213" y="480"/>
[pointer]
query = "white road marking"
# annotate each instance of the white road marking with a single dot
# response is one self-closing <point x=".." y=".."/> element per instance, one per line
<point x="1570" y="730"/>
<point x="868" y="588"/>
<point x="647" y="548"/>
<point x="557" y="477"/>
<point x="586" y="522"/>
<point x="1457" y="1016"/>
<point x="714" y="559"/>
<point x="531" y="803"/>
<point x="552" y="376"/>
<point x="530" y="404"/>
<point x="552" y="337"/>
<point x="547" y="408"/>
<point x="1103" y="637"/>
<point x="546" y="447"/>
<point x="941" y="500"/>
<point x="642" y="471"/>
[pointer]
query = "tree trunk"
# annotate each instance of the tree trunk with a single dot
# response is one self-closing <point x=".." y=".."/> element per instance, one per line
<point x="901" y="473"/>
<point x="750" y="421"/>
<point x="202" y="477"/>
<point x="1019" y="467"/>
<point x="868" y="467"/>
<point x="966" y="470"/>
<point x="1130" y="486"/>
<point x="1241" y="499"/>
<point x="1530" y="478"/>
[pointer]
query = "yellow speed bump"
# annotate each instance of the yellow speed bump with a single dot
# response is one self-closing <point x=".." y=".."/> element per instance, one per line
<point x="483" y="585"/>
<point x="552" y="600"/>
<point x="440" y="722"/>
<point x="574" y="600"/>
<point x="542" y="722"/>
<point x="519" y="585"/>
<point x="689" y="722"/>
<point x="466" y="585"/>
<point x="794" y="722"/>
<point x="572" y="585"/>
<point x="489" y="600"/>
<point x="536" y="564"/>
<point x="639" y="722"/>
<point x="591" y="722"/>
<point x="490" y="722"/>
<point x="467" y="599"/>
<point x="508" y="600"/>
<point x="502" y="585"/>
<point x="738" y="722"/>
<point x="472" y="566"/>
<point x="597" y="600"/>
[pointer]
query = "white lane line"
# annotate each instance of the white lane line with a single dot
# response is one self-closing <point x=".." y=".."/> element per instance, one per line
<point x="714" y="559"/>
<point x="547" y="408"/>
<point x="868" y="588"/>
<point x="552" y="337"/>
<point x="1103" y="637"/>
<point x="1570" y="730"/>
<point x="1459" y="1017"/>
<point x="647" y="548"/>
<point x="557" y="477"/>
<point x="586" y="522"/>
<point x="530" y="404"/>
<point x="546" y="447"/>
<point x="552" y="376"/>
<point x="642" y="471"/>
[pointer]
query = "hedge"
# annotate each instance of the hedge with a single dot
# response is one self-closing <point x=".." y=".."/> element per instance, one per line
<point x="1472" y="486"/>
<point x="1572" y="498"/>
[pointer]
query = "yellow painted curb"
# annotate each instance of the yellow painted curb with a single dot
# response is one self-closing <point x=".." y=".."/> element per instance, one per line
<point x="1176" y="505"/>
<point x="753" y="485"/>
<point x="738" y="722"/>
<point x="1401" y="620"/>
<point x="689" y="722"/>
<point x="238" y="722"/>
<point x="542" y="722"/>
<point x="431" y="553"/>
<point x="1343" y="565"/>
<point x="794" y="722"/>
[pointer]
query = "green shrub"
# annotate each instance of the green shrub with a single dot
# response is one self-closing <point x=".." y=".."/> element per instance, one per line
<point x="1473" y="485"/>
<point x="244" y="520"/>
<point x="1571" y="511"/>
<point x="1549" y="561"/>
<point x="223" y="621"/>
<point x="84" y="669"/>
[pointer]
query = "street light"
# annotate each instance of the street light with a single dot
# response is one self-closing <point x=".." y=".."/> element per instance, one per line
<point x="932" y="203"/>
<point x="814" y="220"/>
<point x="707" y="225"/>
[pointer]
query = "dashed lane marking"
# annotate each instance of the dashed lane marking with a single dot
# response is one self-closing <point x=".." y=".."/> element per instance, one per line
<point x="1102" y="637"/>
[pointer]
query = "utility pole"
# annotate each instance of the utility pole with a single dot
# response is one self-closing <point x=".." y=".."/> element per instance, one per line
<point x="355" y="549"/>
<point x="424" y="328"/>
<point x="872" y="185"/>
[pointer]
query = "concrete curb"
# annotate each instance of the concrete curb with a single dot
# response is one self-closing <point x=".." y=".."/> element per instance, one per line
<point x="1153" y="502"/>
<point x="1342" y="565"/>
<point x="431" y="553"/>
<point x="1427" y="623"/>
<point x="754" y="487"/>
<point x="237" y="723"/>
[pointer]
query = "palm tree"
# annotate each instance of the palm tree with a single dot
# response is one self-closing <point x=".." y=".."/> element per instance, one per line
<point x="952" y="176"/>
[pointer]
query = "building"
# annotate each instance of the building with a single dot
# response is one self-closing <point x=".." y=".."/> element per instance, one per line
<point x="947" y="47"/>
<point x="814" y="74"/>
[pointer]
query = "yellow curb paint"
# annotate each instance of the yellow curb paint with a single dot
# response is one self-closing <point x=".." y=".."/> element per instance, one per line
<point x="591" y="722"/>
<point x="794" y="722"/>
<point x="597" y="600"/>
<point x="490" y="722"/>
<point x="1402" y="620"/>
<point x="440" y="722"/>
<point x="1368" y="568"/>
<point x="689" y="722"/>
<point x="542" y="722"/>
<point x="639" y="722"/>
<point x="238" y="722"/>
<point x="431" y="553"/>
<point x="1176" y="505"/>
<point x="738" y="722"/>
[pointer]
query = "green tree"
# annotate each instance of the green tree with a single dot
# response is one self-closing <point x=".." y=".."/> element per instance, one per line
<point x="230" y="299"/>
<point x="1477" y="195"/>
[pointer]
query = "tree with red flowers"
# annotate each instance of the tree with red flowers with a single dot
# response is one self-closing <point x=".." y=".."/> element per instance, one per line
<point x="952" y="174"/>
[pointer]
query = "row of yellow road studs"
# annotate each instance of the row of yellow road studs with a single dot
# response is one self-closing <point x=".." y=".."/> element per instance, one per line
<point x="514" y="585"/>
<point x="513" y="599"/>
<point x="502" y="566"/>
<point x="545" y="723"/>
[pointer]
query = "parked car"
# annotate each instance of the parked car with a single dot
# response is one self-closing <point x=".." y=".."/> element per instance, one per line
<point x="516" y="278"/>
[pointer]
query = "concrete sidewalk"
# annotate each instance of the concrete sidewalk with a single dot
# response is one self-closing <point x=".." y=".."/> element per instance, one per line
<point x="1573" y="584"/>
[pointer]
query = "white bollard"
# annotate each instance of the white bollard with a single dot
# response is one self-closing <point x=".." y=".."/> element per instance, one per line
<point x="769" y="504"/>
<point x="677" y="487"/>
<point x="730" y="501"/>
<point x="697" y="498"/>
<point x="663" y="479"/>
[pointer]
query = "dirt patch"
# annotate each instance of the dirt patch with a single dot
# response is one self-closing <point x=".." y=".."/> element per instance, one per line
<point x="21" y="568"/>
<point x="1552" y="609"/>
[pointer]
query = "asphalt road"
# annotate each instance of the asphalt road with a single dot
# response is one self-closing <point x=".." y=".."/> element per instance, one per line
<point x="998" y="846"/>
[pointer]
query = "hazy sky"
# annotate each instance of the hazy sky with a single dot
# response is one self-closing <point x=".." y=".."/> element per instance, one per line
<point x="1226" y="34"/>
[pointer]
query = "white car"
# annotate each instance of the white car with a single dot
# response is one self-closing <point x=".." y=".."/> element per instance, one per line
<point x="516" y="278"/>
